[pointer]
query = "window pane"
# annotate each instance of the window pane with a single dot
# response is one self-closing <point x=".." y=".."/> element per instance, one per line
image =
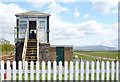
<point x="23" y="21"/>
<point x="23" y="24"/>
<point x="42" y="25"/>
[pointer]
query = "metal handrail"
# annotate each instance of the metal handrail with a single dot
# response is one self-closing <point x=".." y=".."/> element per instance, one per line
<point x="24" y="49"/>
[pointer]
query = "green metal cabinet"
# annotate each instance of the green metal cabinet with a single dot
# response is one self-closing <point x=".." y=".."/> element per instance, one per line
<point x="60" y="54"/>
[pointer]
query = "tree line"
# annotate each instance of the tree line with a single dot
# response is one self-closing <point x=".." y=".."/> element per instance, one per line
<point x="5" y="46"/>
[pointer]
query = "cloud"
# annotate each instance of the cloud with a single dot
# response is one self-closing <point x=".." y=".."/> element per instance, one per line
<point x="86" y="15"/>
<point x="63" y="32"/>
<point x="56" y="8"/>
<point x="77" y="14"/>
<point x="7" y="20"/>
<point x="105" y="6"/>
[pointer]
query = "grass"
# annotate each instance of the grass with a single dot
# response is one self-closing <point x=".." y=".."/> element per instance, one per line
<point x="106" y="54"/>
<point x="83" y="57"/>
<point x="87" y="58"/>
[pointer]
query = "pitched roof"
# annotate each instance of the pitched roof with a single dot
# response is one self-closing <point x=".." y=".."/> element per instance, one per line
<point x="32" y="13"/>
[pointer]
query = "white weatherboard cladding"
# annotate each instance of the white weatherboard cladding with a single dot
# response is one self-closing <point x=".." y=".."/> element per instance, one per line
<point x="42" y="32"/>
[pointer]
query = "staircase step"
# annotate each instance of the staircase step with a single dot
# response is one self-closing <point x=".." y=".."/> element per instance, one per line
<point x="30" y="53"/>
<point x="31" y="59"/>
<point x="31" y="48"/>
<point x="30" y="56"/>
<point x="32" y="39"/>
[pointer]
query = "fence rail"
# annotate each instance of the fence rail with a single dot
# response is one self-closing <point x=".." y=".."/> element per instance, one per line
<point x="70" y="71"/>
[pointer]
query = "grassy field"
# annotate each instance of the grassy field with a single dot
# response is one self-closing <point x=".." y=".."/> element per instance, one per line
<point x="106" y="54"/>
<point x="83" y="57"/>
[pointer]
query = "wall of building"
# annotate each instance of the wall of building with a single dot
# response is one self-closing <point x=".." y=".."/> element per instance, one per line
<point x="68" y="54"/>
<point x="52" y="54"/>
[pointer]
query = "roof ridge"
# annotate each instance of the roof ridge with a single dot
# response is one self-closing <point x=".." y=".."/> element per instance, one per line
<point x="32" y="13"/>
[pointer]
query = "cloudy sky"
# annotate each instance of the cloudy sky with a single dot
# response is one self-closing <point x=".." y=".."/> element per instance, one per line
<point x="75" y="22"/>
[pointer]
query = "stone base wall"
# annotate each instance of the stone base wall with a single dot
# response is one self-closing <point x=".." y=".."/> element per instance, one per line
<point x="44" y="52"/>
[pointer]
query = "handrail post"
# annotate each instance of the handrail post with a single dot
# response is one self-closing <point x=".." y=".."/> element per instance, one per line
<point x="24" y="49"/>
<point x="38" y="44"/>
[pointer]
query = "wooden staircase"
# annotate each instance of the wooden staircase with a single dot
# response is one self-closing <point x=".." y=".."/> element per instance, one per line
<point x="31" y="52"/>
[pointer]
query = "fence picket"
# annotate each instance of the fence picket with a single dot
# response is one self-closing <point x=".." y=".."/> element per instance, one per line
<point x="102" y="70"/>
<point x="43" y="70"/>
<point x="14" y="70"/>
<point x="97" y="70"/>
<point x="54" y="70"/>
<point x="87" y="70"/>
<point x="26" y="70"/>
<point x="2" y="70"/>
<point x="117" y="70"/>
<point x="8" y="71"/>
<point x="66" y="71"/>
<point x="82" y="71"/>
<point x="107" y="70"/>
<point x="37" y="70"/>
<point x="76" y="70"/>
<point x="112" y="70"/>
<point x="20" y="70"/>
<point x="92" y="70"/>
<point x="49" y="70"/>
<point x="60" y="70"/>
<point x="31" y="71"/>
<point x="71" y="71"/>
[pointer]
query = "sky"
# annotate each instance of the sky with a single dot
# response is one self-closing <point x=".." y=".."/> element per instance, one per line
<point x="72" y="22"/>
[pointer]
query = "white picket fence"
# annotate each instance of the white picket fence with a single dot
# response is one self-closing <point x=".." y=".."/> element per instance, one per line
<point x="78" y="71"/>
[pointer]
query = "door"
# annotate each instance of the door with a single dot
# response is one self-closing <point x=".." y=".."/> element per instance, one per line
<point x="60" y="54"/>
<point x="32" y="27"/>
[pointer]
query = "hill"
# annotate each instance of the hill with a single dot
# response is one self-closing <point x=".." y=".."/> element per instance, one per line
<point x="94" y="48"/>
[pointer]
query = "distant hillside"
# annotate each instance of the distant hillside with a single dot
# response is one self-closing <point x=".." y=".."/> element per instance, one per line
<point x="94" y="48"/>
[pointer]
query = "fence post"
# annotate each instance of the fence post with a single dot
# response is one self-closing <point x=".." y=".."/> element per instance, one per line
<point x="107" y="70"/>
<point x="82" y="71"/>
<point x="71" y="71"/>
<point x="54" y="70"/>
<point x="49" y="70"/>
<point x="14" y="70"/>
<point x="26" y="70"/>
<point x="112" y="70"/>
<point x="97" y="70"/>
<point x="20" y="70"/>
<point x="117" y="70"/>
<point x="92" y="70"/>
<point x="8" y="71"/>
<point x="60" y="70"/>
<point x="2" y="70"/>
<point x="31" y="71"/>
<point x="87" y="70"/>
<point x="37" y="70"/>
<point x="43" y="70"/>
<point x="76" y="70"/>
<point x="66" y="71"/>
